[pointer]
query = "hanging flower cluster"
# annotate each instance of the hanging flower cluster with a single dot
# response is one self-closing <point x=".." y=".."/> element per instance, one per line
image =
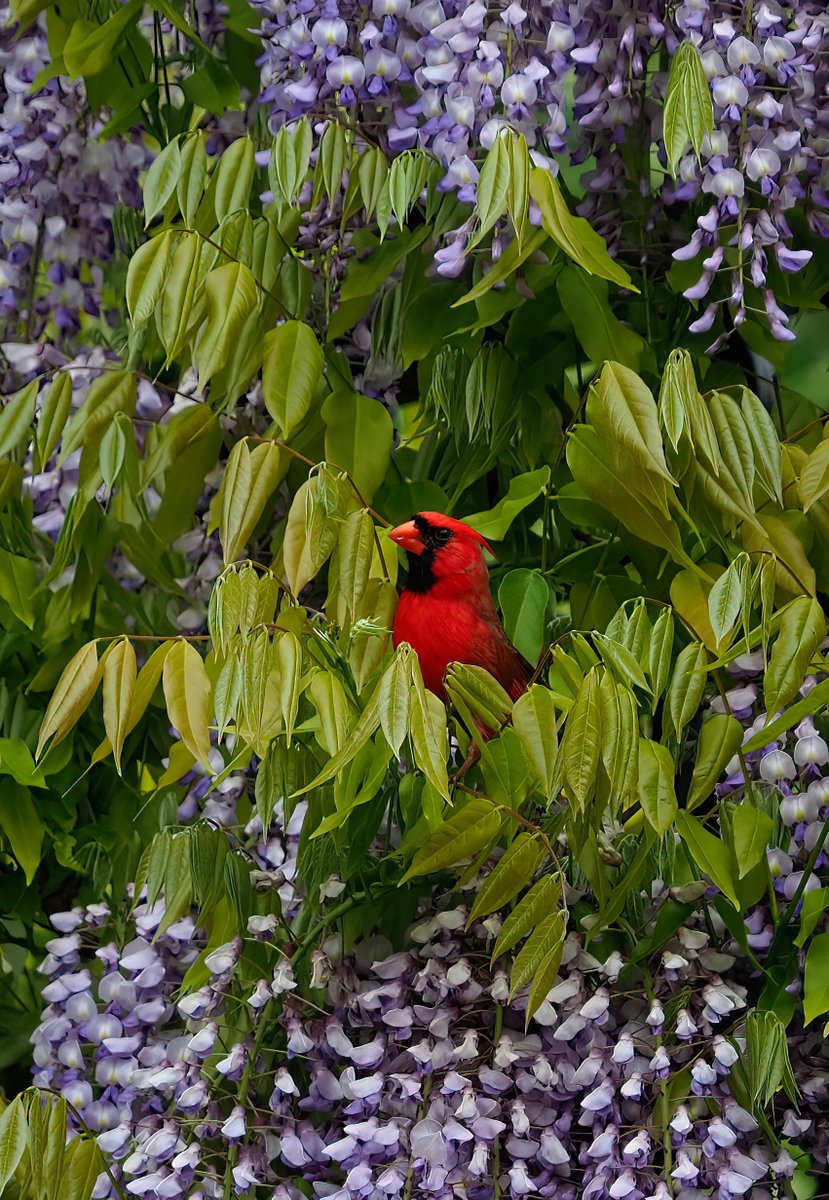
<point x="59" y="186"/>
<point x="410" y="1073"/>
<point x="581" y="82"/>
<point x="792" y="771"/>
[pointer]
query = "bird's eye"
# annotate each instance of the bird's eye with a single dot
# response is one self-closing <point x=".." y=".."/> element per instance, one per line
<point x="442" y="536"/>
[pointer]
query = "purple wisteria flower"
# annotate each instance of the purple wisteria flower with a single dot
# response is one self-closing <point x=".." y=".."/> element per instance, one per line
<point x="411" y="1073"/>
<point x="576" y="79"/>
<point x="59" y="186"/>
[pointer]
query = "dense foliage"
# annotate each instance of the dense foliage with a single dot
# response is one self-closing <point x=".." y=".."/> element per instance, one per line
<point x="275" y="278"/>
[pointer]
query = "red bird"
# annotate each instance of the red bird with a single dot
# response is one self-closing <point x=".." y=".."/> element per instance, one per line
<point x="446" y="612"/>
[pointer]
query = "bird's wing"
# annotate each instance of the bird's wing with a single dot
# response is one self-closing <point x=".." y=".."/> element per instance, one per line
<point x="496" y="653"/>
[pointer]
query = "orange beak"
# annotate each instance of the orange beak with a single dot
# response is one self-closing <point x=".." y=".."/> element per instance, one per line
<point x="408" y="536"/>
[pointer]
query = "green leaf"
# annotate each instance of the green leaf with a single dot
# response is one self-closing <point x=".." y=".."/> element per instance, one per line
<point x="16" y="417"/>
<point x="250" y="479"/>
<point x="543" y="896"/>
<point x="367" y="725"/>
<point x="18" y="585"/>
<point x="331" y="160"/>
<point x="816" y="979"/>
<point x="710" y="854"/>
<point x="519" y="183"/>
<point x="290" y="159"/>
<point x="329" y="699"/>
<point x="581" y="744"/>
<point x="523" y="489"/>
<point x="720" y="738"/>
<point x="493" y="185"/>
<point x="372" y="170"/>
<point x="510" y="874"/>
<point x="161" y="181"/>
<point x="660" y="650"/>
<point x="429" y="739"/>
<point x="802" y="629"/>
<point x="808" y="706"/>
<point x="814" y="476"/>
<point x="71" y="696"/>
<point x="474" y="689"/>
<point x="231" y="296"/>
<point x="192" y="177"/>
<point x="119" y="689"/>
<point x="54" y="409"/>
<point x="145" y="685"/>
<point x="467" y="831"/>
<point x="622" y="661"/>
<point x="766" y="445"/>
<point x="14" y="1131"/>
<point x="512" y="258"/>
<point x="619" y="714"/>
<point x="146" y="276"/>
<point x="83" y="1164"/>
<point x="752" y="831"/>
<point x="358" y="438"/>
<point x="735" y="447"/>
<point x="232" y="178"/>
<point x="212" y="86"/>
<point x="16" y="760"/>
<point x="601" y="334"/>
<point x="310" y="536"/>
<point x="814" y="906"/>
<point x="612" y="477"/>
<point x="766" y="1060"/>
<point x="293" y="366"/>
<point x="91" y="47"/>
<point x="622" y="410"/>
<point x="21" y="826"/>
<point x="541" y="943"/>
<point x="523" y="597"/>
<point x="687" y="685"/>
<point x="534" y="720"/>
<point x="394" y="698"/>
<point x="111" y="393"/>
<point x="289" y="662"/>
<point x="574" y="235"/>
<point x="725" y="600"/>
<point x="179" y="294"/>
<point x="187" y="693"/>
<point x="406" y="178"/>
<point x="688" y="113"/>
<point x="656" y="785"/>
<point x="356" y="552"/>
<point x="545" y="975"/>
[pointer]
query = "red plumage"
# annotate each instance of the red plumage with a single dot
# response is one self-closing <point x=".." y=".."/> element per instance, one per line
<point x="446" y="613"/>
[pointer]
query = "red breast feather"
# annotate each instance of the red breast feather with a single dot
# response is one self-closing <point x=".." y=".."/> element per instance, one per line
<point x="446" y="612"/>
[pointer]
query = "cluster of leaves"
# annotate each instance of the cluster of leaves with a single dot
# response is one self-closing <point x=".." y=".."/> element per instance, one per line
<point x="654" y="520"/>
<point x="36" y="1159"/>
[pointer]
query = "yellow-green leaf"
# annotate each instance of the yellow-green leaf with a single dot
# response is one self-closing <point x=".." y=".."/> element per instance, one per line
<point x="119" y="689"/>
<point x="16" y="417"/>
<point x="293" y="365"/>
<point x="147" y="274"/>
<point x="71" y="697"/>
<point x="187" y="693"/>
<point x="574" y="235"/>
<point x="467" y="831"/>
<point x="802" y="629"/>
<point x="656" y="785"/>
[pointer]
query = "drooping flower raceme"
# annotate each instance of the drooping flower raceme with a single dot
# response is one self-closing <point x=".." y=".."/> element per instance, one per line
<point x="411" y="1072"/>
<point x="579" y="81"/>
<point x="59" y="186"/>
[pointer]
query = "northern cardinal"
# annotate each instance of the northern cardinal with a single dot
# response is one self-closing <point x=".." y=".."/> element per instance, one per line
<point x="446" y="612"/>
